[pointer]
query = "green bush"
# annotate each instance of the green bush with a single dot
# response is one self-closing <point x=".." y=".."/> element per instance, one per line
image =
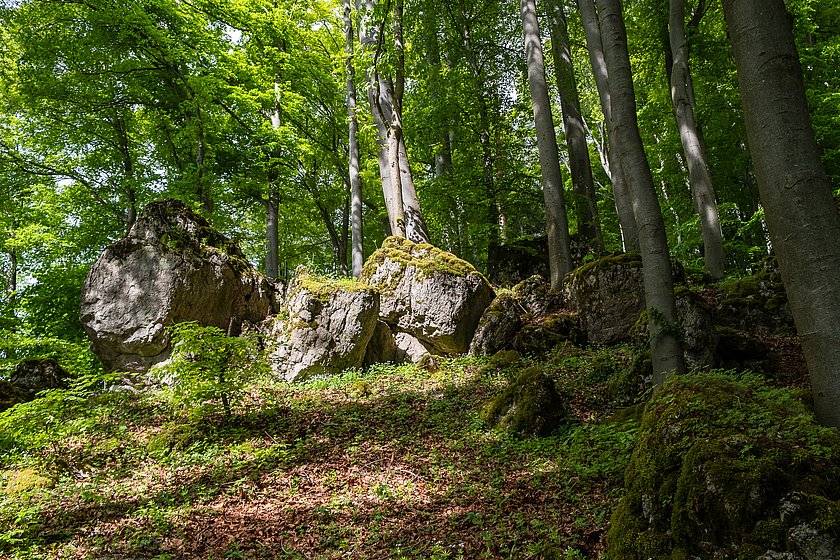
<point x="209" y="369"/>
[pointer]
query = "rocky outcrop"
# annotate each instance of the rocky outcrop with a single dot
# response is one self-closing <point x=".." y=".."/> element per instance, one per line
<point x="727" y="467"/>
<point x="609" y="296"/>
<point x="430" y="294"/>
<point x="382" y="347"/>
<point x="757" y="304"/>
<point x="171" y="267"/>
<point x="498" y="325"/>
<point x="36" y="375"/>
<point x="529" y="318"/>
<point x="516" y="261"/>
<point x="325" y="327"/>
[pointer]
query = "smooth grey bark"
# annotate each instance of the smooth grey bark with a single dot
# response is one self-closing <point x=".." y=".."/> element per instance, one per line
<point x="356" y="246"/>
<point x="559" y="253"/>
<point x="801" y="215"/>
<point x="666" y="350"/>
<point x="404" y="212"/>
<point x="580" y="167"/>
<point x="272" y="205"/>
<point x="697" y="162"/>
<point x="621" y="194"/>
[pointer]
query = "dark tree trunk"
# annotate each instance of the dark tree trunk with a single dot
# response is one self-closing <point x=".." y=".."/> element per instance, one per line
<point x="666" y="350"/>
<point x="801" y="215"/>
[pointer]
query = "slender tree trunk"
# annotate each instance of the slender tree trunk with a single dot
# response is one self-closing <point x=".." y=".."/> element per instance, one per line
<point x="699" y="177"/>
<point x="415" y="225"/>
<point x="621" y="193"/>
<point x="801" y="215"/>
<point x="666" y="351"/>
<point x="559" y="253"/>
<point x="484" y="138"/>
<point x="357" y="250"/>
<point x="272" y="204"/>
<point x="272" y="231"/>
<point x="586" y="207"/>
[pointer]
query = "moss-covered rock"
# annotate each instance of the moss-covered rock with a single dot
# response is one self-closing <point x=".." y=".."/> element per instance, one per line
<point x="22" y="480"/>
<point x="718" y="460"/>
<point x="326" y="327"/>
<point x="757" y="304"/>
<point x="545" y="333"/>
<point x="530" y="405"/>
<point x="428" y="293"/>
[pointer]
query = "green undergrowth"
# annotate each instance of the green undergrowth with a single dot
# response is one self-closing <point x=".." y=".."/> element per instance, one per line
<point x="392" y="462"/>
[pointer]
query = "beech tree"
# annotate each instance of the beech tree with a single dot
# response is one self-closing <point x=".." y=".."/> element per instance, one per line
<point x="357" y="250"/>
<point x="696" y="159"/>
<point x="559" y="253"/>
<point x="666" y="350"/>
<point x="621" y="194"/>
<point x="801" y="215"/>
<point x="580" y="168"/>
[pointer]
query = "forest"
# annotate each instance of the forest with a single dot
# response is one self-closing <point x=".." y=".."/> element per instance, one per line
<point x="646" y="156"/>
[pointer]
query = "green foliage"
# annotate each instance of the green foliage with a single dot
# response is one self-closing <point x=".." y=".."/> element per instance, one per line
<point x="75" y="357"/>
<point x="209" y="370"/>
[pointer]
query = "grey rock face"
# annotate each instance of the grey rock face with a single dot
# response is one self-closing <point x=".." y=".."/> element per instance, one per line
<point x="609" y="296"/>
<point x="428" y="293"/>
<point x="327" y="328"/>
<point x="498" y="325"/>
<point x="697" y="326"/>
<point x="171" y="267"/>
<point x="409" y="348"/>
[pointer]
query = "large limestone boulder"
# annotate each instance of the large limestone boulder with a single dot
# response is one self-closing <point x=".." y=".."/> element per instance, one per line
<point x="325" y="327"/>
<point x="428" y="293"/>
<point x="499" y="324"/>
<point x="609" y="296"/>
<point x="171" y="267"/>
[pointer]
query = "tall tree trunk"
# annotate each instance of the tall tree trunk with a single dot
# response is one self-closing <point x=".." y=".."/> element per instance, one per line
<point x="272" y="204"/>
<point x="357" y="250"/>
<point x="699" y="177"/>
<point x="580" y="167"/>
<point x="621" y="193"/>
<point x="666" y="350"/>
<point x="803" y="221"/>
<point x="386" y="101"/>
<point x="559" y="253"/>
<point x="272" y="230"/>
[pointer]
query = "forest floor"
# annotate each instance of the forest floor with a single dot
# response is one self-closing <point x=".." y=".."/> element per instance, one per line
<point x="395" y="462"/>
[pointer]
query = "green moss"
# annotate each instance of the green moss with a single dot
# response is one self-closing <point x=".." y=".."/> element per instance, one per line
<point x="324" y="289"/>
<point x="23" y="480"/>
<point x="174" y="437"/>
<point x="616" y="259"/>
<point x="425" y="258"/>
<point x="530" y="405"/>
<point x="717" y="453"/>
